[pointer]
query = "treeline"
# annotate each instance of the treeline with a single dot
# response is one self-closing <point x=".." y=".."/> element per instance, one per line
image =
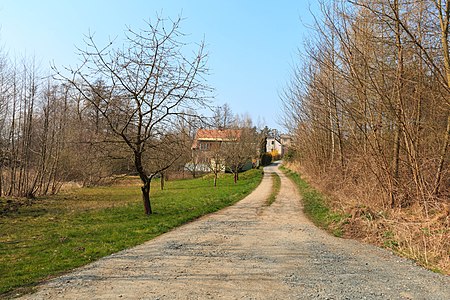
<point x="370" y="103"/>
<point x="48" y="134"/>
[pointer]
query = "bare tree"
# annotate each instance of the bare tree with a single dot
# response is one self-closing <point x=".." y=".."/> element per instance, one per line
<point x="240" y="149"/>
<point x="187" y="127"/>
<point x="223" y="117"/>
<point x="165" y="154"/>
<point x="374" y="90"/>
<point x="215" y="161"/>
<point x="148" y="83"/>
<point x="4" y="113"/>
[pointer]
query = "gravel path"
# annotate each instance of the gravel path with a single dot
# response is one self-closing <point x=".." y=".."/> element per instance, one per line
<point x="250" y="251"/>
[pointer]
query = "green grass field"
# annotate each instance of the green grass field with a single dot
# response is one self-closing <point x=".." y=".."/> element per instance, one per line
<point x="58" y="233"/>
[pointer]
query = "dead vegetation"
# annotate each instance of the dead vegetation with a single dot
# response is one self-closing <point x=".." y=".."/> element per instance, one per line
<point x="369" y="109"/>
<point x="408" y="231"/>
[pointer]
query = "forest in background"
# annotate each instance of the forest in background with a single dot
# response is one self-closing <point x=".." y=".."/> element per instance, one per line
<point x="369" y="110"/>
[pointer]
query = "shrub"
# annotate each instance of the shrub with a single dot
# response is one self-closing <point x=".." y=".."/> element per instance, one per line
<point x="266" y="159"/>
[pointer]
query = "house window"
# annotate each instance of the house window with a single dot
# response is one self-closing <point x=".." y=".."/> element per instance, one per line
<point x="204" y="146"/>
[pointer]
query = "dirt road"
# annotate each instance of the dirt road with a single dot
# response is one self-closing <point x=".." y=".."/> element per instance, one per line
<point x="250" y="251"/>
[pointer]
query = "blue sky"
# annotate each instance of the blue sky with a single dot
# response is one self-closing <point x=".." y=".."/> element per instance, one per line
<point x="252" y="45"/>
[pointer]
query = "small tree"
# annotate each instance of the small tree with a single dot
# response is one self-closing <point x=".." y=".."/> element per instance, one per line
<point x="240" y="149"/>
<point x="266" y="159"/>
<point x="196" y="163"/>
<point x="216" y="163"/>
<point x="149" y="82"/>
<point x="187" y="127"/>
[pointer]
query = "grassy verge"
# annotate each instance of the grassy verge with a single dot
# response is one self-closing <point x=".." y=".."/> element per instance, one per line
<point x="59" y="233"/>
<point x="316" y="207"/>
<point x="276" y="184"/>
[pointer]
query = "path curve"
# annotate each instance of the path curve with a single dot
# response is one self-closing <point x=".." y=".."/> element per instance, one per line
<point x="250" y="251"/>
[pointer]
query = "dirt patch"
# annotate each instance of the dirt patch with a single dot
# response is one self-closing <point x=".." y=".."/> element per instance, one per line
<point x="250" y="251"/>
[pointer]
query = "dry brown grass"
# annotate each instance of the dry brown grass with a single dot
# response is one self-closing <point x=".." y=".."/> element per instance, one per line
<point x="411" y="232"/>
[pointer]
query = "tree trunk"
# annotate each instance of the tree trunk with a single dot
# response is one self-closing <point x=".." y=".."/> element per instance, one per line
<point x="395" y="164"/>
<point x="443" y="154"/>
<point x="146" y="180"/>
<point x="146" y="197"/>
<point x="216" y="170"/>
<point x="163" y="178"/>
<point x="332" y="140"/>
<point x="398" y="106"/>
<point x="1" y="180"/>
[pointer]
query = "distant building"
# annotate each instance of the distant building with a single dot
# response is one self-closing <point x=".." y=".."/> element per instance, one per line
<point x="273" y="146"/>
<point x="207" y="145"/>
<point x="212" y="139"/>
<point x="278" y="145"/>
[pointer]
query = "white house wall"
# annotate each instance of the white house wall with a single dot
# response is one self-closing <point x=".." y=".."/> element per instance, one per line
<point x="273" y="145"/>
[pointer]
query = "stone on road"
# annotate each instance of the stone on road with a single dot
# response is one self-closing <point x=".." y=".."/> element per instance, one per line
<point x="250" y="251"/>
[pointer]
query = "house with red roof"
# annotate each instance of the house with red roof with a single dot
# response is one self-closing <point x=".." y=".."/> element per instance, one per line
<point x="212" y="139"/>
<point x="207" y="152"/>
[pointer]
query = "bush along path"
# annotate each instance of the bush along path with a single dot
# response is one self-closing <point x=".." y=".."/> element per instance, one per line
<point x="250" y="251"/>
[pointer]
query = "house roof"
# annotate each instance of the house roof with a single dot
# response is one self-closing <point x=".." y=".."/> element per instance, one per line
<point x="269" y="139"/>
<point x="216" y="135"/>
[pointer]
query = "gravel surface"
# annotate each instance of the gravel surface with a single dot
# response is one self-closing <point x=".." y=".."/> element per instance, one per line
<point x="250" y="251"/>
